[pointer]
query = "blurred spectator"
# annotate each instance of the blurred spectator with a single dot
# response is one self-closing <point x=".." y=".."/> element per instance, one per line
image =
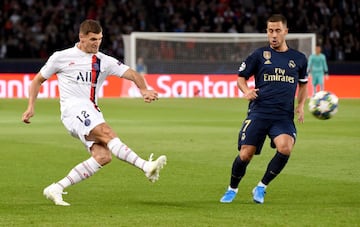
<point x="140" y="66"/>
<point x="33" y="29"/>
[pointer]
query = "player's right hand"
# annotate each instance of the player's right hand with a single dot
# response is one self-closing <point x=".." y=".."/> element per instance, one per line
<point x="149" y="95"/>
<point x="251" y="94"/>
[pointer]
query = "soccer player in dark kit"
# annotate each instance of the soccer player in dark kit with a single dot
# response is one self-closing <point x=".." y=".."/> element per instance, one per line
<point x="278" y="70"/>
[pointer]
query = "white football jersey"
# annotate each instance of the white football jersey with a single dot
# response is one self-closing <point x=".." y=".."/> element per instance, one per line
<point x="80" y="75"/>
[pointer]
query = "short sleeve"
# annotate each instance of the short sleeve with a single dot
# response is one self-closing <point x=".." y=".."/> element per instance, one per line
<point x="116" y="67"/>
<point x="303" y="72"/>
<point x="248" y="67"/>
<point x="51" y="67"/>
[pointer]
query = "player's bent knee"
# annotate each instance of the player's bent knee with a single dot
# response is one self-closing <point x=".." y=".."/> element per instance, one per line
<point x="101" y="154"/>
<point x="102" y="133"/>
<point x="103" y="159"/>
<point x="284" y="144"/>
<point x="285" y="150"/>
<point x="247" y="152"/>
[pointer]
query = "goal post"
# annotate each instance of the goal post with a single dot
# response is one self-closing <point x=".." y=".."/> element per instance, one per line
<point x="203" y="53"/>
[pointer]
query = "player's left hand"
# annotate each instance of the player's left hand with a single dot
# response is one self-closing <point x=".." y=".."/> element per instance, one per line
<point x="149" y="95"/>
<point x="300" y="113"/>
<point x="29" y="113"/>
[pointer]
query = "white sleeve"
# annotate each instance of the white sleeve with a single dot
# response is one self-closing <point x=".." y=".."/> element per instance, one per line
<point x="51" y="66"/>
<point x="116" y="67"/>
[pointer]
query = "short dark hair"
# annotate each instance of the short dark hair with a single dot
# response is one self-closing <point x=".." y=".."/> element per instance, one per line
<point x="90" y="26"/>
<point x="278" y="18"/>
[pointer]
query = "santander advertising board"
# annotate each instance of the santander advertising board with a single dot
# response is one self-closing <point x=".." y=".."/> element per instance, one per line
<point x="16" y="85"/>
<point x="188" y="86"/>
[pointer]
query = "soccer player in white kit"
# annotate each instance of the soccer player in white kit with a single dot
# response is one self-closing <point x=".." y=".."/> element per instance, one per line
<point x="81" y="70"/>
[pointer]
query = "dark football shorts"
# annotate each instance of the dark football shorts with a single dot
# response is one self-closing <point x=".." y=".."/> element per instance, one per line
<point x="254" y="131"/>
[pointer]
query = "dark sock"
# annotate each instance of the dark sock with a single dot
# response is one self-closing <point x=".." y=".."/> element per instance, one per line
<point x="237" y="172"/>
<point x="275" y="166"/>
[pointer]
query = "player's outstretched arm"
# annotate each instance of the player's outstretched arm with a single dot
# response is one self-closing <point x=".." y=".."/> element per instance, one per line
<point x="33" y="92"/>
<point x="148" y="95"/>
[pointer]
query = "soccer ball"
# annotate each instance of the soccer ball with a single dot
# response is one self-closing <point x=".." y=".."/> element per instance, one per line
<point x="323" y="105"/>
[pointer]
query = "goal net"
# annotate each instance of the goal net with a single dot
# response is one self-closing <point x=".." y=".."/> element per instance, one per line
<point x="200" y="53"/>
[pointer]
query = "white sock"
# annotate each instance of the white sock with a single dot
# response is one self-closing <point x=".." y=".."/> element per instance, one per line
<point x="80" y="172"/>
<point x="261" y="184"/>
<point x="233" y="189"/>
<point x="123" y="152"/>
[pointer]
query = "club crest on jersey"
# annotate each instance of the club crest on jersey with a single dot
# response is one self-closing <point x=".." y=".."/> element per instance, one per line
<point x="96" y="66"/>
<point x="267" y="56"/>
<point x="87" y="122"/>
<point x="292" y="64"/>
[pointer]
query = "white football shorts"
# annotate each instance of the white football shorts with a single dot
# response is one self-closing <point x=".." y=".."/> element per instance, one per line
<point x="80" y="118"/>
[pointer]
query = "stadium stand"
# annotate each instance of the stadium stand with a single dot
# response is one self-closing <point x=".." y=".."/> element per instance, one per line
<point x="34" y="28"/>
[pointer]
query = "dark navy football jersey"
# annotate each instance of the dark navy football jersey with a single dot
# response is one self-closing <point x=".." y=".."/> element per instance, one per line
<point x="277" y="75"/>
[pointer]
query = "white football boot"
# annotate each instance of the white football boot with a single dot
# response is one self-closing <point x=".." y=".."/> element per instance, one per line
<point x="54" y="192"/>
<point x="154" y="167"/>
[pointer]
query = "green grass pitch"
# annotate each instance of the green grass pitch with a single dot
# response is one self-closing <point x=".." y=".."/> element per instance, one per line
<point x="320" y="186"/>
